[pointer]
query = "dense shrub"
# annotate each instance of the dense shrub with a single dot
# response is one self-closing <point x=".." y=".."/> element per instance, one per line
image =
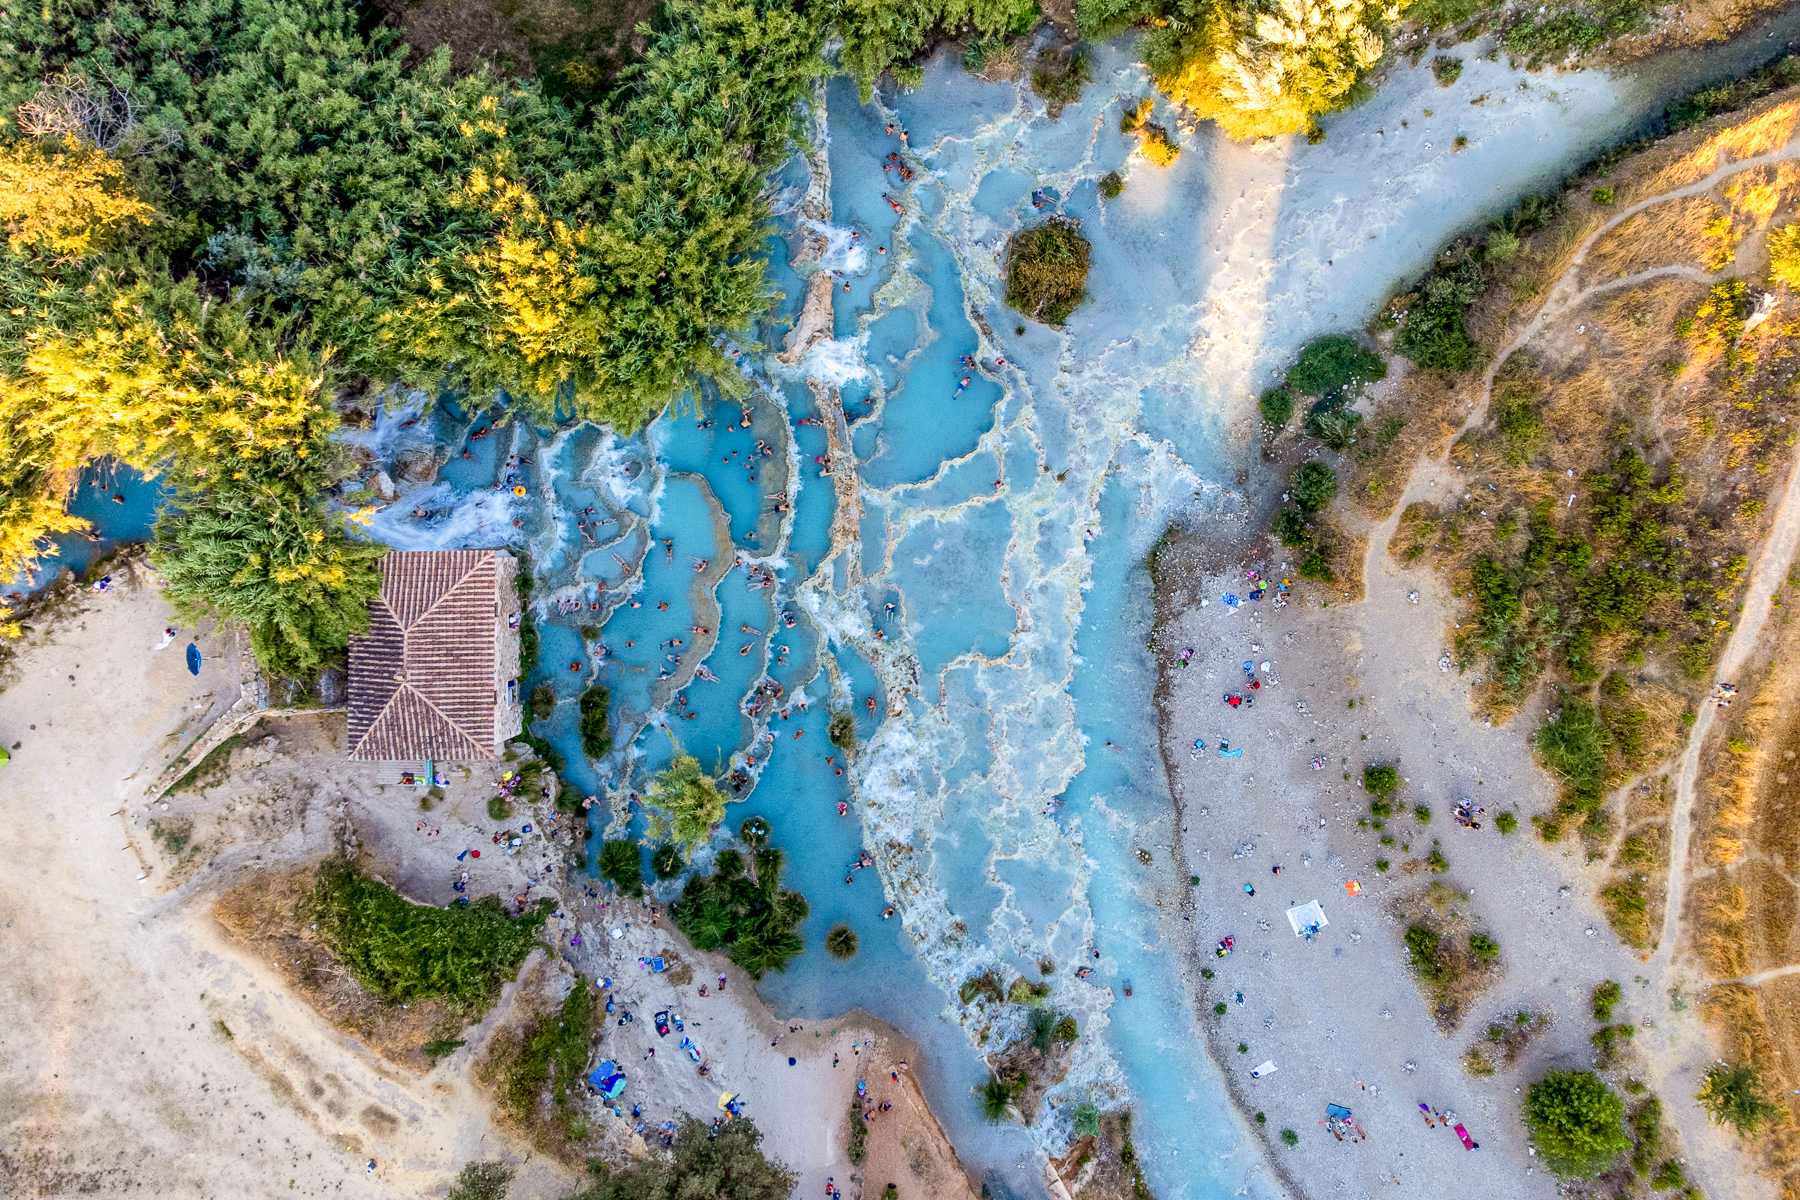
<point x="1047" y="270"/>
<point x="1573" y="748"/>
<point x="1332" y="364"/>
<point x="1432" y="332"/>
<point x="1381" y="780"/>
<point x="726" y="1163"/>
<point x="1577" y="1123"/>
<point x="748" y="916"/>
<point x="1313" y="484"/>
<point x="403" y="951"/>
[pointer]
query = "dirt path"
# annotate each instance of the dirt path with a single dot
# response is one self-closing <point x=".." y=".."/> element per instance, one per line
<point x="1767" y="578"/>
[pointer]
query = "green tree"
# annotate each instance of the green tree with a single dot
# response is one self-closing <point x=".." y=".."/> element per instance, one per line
<point x="1577" y="1123"/>
<point x="686" y="803"/>
<point x="622" y="866"/>
<point x="1733" y="1096"/>
<point x="272" y="559"/>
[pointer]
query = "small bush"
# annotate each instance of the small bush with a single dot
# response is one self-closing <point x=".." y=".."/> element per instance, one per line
<point x="1506" y="822"/>
<point x="1573" y="748"/>
<point x="1382" y="780"/>
<point x="985" y="985"/>
<point x="1502" y="246"/>
<point x="1087" y="1119"/>
<point x="1734" y="1096"/>
<point x="1432" y="333"/>
<point x="1277" y="406"/>
<point x="1062" y="86"/>
<point x="481" y="1181"/>
<point x="498" y="809"/>
<point x="1446" y="70"/>
<point x="1330" y="365"/>
<point x="1422" y="814"/>
<point x="1603" y="195"/>
<point x="1023" y="991"/>
<point x="1112" y="185"/>
<point x="1606" y="995"/>
<point x="1484" y="947"/>
<point x="1289" y="1138"/>
<point x="1291" y="528"/>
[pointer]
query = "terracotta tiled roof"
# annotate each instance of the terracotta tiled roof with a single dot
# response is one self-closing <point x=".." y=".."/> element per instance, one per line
<point x="422" y="677"/>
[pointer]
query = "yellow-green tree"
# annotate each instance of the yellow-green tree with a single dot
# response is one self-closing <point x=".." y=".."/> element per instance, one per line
<point x="63" y="198"/>
<point x="685" y="803"/>
<point x="1259" y="68"/>
<point x="1272" y="68"/>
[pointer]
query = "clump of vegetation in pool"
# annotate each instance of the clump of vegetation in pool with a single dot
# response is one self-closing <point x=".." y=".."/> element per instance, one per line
<point x="843" y="731"/>
<point x="1059" y="79"/>
<point x="1154" y="141"/>
<point x="1047" y="270"/>
<point x="1112" y="185"/>
<point x="596" y="737"/>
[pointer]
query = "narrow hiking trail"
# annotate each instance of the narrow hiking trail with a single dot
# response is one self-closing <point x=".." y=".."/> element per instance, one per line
<point x="1765" y="580"/>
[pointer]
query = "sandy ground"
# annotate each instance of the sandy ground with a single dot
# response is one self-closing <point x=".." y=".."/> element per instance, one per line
<point x="146" y="1050"/>
<point x="1341" y="1016"/>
